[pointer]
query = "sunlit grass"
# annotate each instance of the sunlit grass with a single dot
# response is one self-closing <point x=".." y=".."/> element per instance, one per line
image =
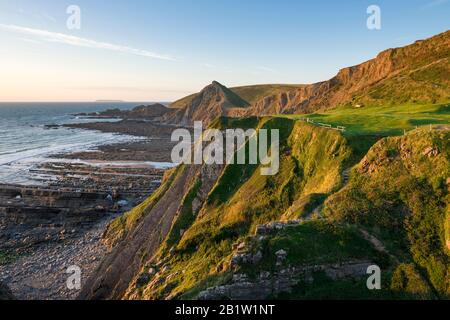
<point x="383" y="121"/>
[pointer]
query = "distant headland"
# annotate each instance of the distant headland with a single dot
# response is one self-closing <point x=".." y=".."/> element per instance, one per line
<point x="110" y="101"/>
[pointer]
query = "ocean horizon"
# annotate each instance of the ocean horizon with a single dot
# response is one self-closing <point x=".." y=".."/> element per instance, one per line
<point x="25" y="142"/>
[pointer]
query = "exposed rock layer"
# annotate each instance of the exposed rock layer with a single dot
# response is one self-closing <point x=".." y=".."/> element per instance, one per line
<point x="418" y="73"/>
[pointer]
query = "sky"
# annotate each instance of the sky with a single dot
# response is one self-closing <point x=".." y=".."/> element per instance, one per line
<point x="162" y="50"/>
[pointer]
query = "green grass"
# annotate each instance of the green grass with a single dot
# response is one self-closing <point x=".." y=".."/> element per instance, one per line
<point x="186" y="216"/>
<point x="311" y="159"/>
<point x="382" y="121"/>
<point x="324" y="288"/>
<point x="401" y="204"/>
<point x="254" y="93"/>
<point x="401" y="192"/>
<point x="304" y="206"/>
<point x="210" y="281"/>
<point x="408" y="283"/>
<point x="404" y="283"/>
<point x="194" y="271"/>
<point x="316" y="242"/>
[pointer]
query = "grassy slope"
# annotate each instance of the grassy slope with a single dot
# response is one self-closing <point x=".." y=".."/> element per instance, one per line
<point x="312" y="161"/>
<point x="234" y="99"/>
<point x="256" y="92"/>
<point x="321" y="242"/>
<point x="365" y="126"/>
<point x="400" y="194"/>
<point x="416" y="74"/>
<point x="204" y="250"/>
<point x="423" y="75"/>
<point x="383" y="121"/>
<point x="239" y="204"/>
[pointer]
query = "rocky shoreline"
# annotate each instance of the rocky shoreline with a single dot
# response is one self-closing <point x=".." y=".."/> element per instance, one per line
<point x="41" y="274"/>
<point x="45" y="229"/>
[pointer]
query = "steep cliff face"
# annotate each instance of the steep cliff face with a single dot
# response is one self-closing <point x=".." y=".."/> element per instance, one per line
<point x="418" y="73"/>
<point x="184" y="234"/>
<point x="310" y="231"/>
<point x="137" y="236"/>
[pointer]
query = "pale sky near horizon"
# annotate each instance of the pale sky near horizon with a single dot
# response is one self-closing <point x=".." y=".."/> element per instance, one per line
<point x="161" y="50"/>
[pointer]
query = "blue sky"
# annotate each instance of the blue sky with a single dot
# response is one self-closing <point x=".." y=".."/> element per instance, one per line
<point x="160" y="50"/>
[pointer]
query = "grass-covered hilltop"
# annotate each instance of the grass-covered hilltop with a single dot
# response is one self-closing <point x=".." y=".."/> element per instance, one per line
<point x="374" y="192"/>
<point x="417" y="74"/>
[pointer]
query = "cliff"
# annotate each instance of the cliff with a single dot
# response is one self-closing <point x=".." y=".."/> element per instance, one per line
<point x="228" y="232"/>
<point x="418" y="73"/>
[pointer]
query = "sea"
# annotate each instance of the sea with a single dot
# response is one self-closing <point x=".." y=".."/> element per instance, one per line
<point x="25" y="142"/>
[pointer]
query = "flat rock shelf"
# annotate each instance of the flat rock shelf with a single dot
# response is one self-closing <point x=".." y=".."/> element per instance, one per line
<point x="46" y="229"/>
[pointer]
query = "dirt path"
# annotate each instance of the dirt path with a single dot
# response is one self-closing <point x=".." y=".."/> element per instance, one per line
<point x="42" y="275"/>
<point x="378" y="245"/>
